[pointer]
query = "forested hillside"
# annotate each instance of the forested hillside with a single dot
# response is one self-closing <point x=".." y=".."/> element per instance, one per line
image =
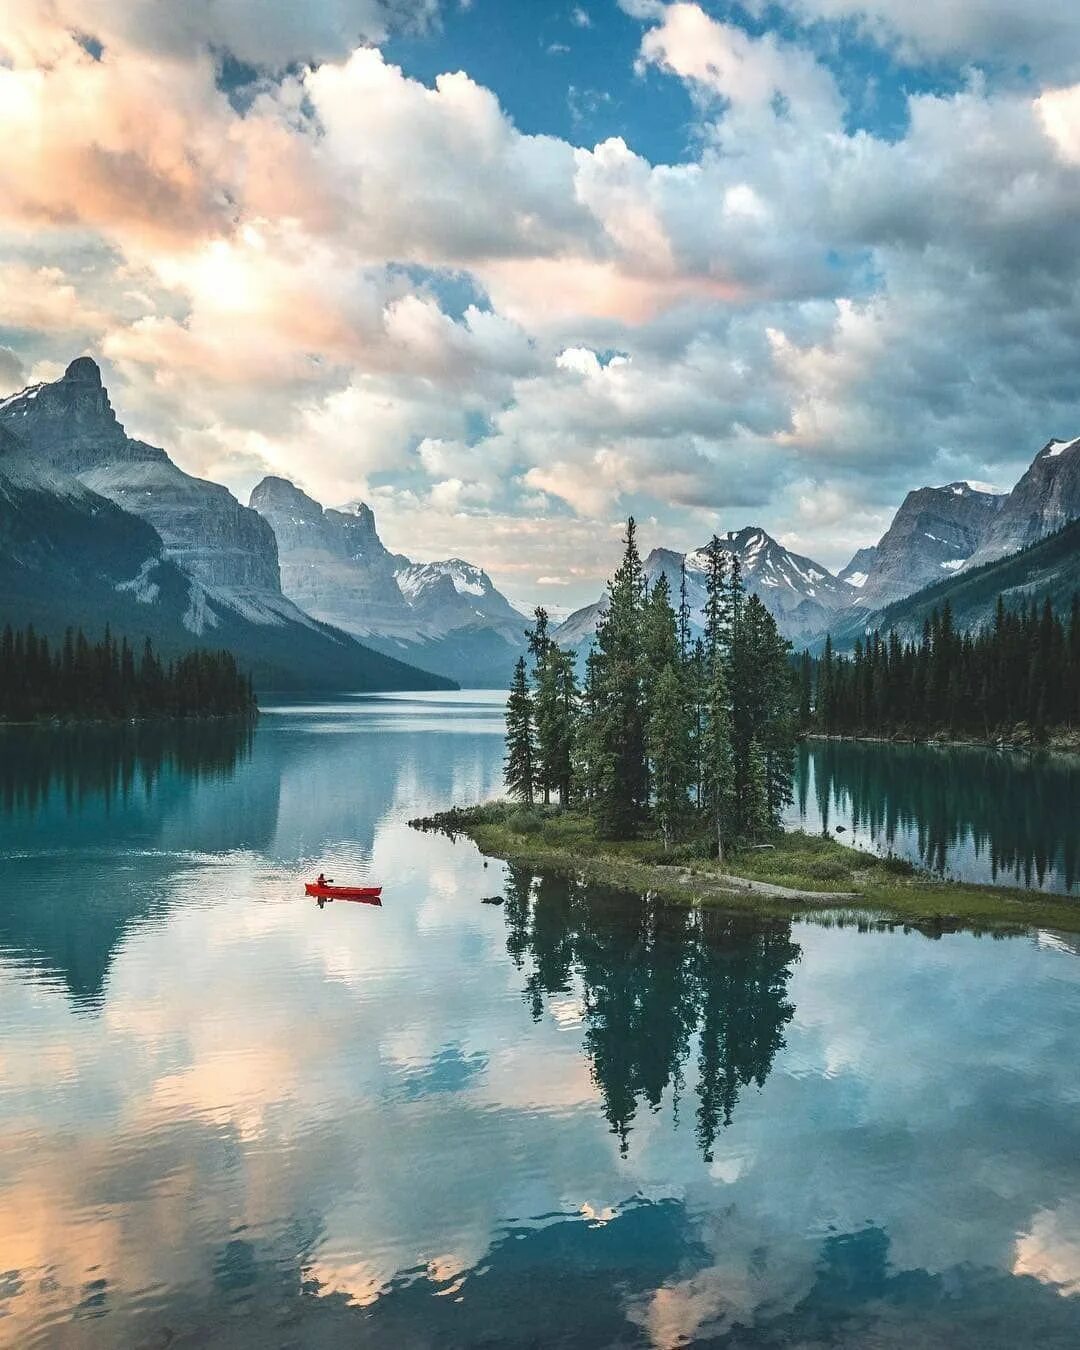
<point x="1023" y="668"/>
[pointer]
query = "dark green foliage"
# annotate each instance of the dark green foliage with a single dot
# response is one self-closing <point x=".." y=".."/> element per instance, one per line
<point x="1022" y="668"/>
<point x="104" y="681"/>
<point x="520" y="765"/>
<point x="668" y="744"/>
<point x="620" y="788"/>
<point x="555" y="705"/>
<point x="663" y="734"/>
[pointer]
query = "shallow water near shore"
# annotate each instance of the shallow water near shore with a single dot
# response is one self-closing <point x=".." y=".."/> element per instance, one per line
<point x="579" y="1118"/>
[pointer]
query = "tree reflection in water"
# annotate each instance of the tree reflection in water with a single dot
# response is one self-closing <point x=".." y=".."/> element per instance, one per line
<point x="110" y="762"/>
<point x="938" y="804"/>
<point x="659" y="984"/>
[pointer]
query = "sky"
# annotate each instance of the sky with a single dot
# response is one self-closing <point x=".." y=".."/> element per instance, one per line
<point x="511" y="271"/>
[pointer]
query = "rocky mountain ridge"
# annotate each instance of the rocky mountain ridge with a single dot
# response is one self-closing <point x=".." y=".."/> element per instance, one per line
<point x="1045" y="498"/>
<point x="933" y="534"/>
<point x="97" y="527"/>
<point x="1049" y="568"/>
<point x="446" y="616"/>
<point x="802" y="595"/>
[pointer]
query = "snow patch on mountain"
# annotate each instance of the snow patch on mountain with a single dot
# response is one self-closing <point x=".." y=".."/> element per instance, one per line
<point x="801" y="594"/>
<point x="141" y="586"/>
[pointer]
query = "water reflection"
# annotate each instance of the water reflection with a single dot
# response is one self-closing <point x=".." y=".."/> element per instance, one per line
<point x="229" y="1119"/>
<point x="44" y="768"/>
<point x="973" y="814"/>
<point x="651" y="981"/>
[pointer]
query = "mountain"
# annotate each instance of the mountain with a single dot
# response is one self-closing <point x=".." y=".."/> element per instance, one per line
<point x="1046" y="498"/>
<point x="97" y="527"/>
<point x="1050" y="567"/>
<point x="802" y="595"/>
<point x="935" y="531"/>
<point x="446" y="617"/>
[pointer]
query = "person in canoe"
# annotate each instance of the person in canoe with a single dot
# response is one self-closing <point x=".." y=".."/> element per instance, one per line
<point x="323" y="880"/>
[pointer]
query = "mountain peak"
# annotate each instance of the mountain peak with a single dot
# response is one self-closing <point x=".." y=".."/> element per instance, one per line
<point x="1055" y="449"/>
<point x="281" y="493"/>
<point x="964" y="487"/>
<point x="360" y="510"/>
<point x="84" y="370"/>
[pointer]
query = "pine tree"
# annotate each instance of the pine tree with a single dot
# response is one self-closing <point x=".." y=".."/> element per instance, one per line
<point x="520" y="765"/>
<point x="668" y="736"/>
<point x="806" y="691"/>
<point x="756" y="812"/>
<point x="660" y="646"/>
<point x="620" y="792"/>
<point x="717" y="761"/>
<point x="717" y="764"/>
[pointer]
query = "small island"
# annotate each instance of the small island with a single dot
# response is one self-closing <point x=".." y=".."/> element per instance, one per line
<point x="104" y="681"/>
<point x="797" y="875"/>
<point x="668" y="770"/>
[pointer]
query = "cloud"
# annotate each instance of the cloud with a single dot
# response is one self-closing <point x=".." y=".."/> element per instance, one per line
<point x="12" y="371"/>
<point x="378" y="284"/>
<point x="759" y="76"/>
<point x="1044" y="36"/>
<point x="259" y="32"/>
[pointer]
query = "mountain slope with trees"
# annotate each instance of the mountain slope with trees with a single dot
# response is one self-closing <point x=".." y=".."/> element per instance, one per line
<point x="1049" y="569"/>
<point x="74" y="551"/>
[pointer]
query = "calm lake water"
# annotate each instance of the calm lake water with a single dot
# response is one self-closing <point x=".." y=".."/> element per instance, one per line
<point x="1000" y="817"/>
<point x="230" y="1118"/>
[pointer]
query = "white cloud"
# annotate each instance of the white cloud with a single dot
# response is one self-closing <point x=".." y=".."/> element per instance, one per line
<point x="261" y="32"/>
<point x="1044" y="35"/>
<point x="803" y="314"/>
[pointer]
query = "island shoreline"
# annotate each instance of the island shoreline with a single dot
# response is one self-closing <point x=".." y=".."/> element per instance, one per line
<point x="842" y="881"/>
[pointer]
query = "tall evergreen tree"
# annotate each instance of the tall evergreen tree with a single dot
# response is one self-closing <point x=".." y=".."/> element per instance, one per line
<point x="668" y="738"/>
<point x="520" y="764"/>
<point x="621" y="785"/>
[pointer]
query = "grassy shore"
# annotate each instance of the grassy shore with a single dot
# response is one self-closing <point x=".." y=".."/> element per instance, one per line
<point x="801" y="874"/>
<point x="1060" y="741"/>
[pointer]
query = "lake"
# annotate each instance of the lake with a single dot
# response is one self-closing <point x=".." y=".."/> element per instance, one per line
<point x="968" y="813"/>
<point x="231" y="1118"/>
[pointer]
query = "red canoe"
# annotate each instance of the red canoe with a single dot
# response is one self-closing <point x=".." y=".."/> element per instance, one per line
<point x="343" y="892"/>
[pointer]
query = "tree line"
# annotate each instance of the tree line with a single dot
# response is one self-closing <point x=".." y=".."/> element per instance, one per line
<point x="83" y="680"/>
<point x="667" y="731"/>
<point x="1023" y="667"/>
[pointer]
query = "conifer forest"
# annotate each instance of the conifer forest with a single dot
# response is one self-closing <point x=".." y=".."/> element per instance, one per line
<point x="82" y="680"/>
<point x="665" y="731"/>
<point x="1022" y="669"/>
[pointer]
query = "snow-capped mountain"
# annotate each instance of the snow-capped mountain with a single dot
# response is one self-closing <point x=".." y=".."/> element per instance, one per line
<point x="443" y="616"/>
<point x="933" y="534"/>
<point x="1043" y="500"/>
<point x="802" y="595"/>
<point x="454" y="593"/>
<point x="98" y="527"/>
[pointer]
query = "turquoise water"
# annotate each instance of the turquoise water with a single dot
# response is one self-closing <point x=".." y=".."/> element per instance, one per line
<point x="230" y="1118"/>
<point x="996" y="817"/>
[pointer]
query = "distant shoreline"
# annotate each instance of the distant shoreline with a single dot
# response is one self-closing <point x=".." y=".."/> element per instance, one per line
<point x="1057" y="743"/>
<point x="161" y="719"/>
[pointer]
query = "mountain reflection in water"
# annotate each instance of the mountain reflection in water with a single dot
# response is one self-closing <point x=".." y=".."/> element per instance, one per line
<point x="229" y="1119"/>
